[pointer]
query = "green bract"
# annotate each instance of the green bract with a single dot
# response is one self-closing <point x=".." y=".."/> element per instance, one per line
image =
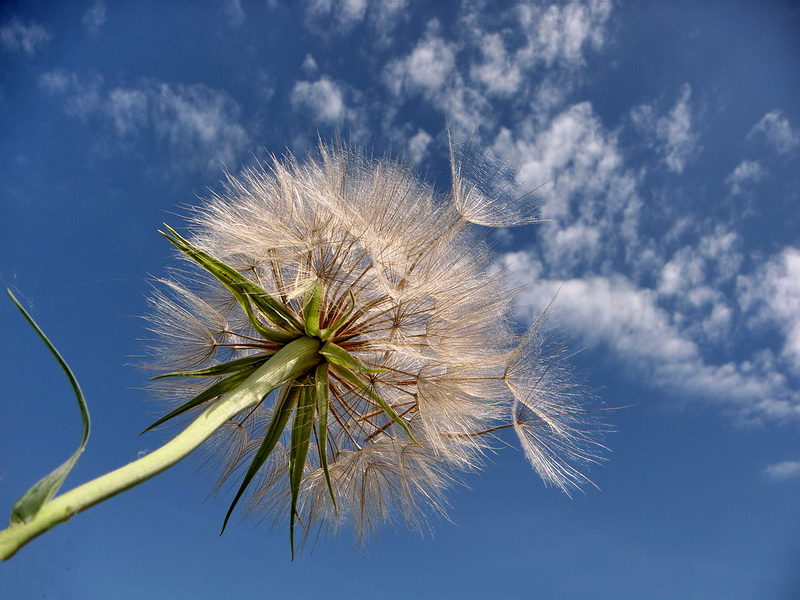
<point x="307" y="396"/>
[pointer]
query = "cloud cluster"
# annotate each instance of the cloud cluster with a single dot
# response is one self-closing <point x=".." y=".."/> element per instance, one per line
<point x="588" y="192"/>
<point x="669" y="313"/>
<point x="499" y="55"/>
<point x="646" y="339"/>
<point x="673" y="309"/>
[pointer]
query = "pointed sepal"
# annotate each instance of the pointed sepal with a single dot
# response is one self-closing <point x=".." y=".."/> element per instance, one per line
<point x="245" y="291"/>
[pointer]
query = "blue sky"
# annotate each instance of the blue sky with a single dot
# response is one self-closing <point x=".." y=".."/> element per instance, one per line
<point x="668" y="139"/>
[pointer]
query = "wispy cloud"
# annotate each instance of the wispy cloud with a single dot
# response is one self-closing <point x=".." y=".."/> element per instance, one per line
<point x="691" y="284"/>
<point x="23" y="36"/>
<point x="778" y="132"/>
<point x="589" y="193"/>
<point x="345" y="12"/>
<point x="673" y="134"/>
<point x="428" y="68"/>
<point x="322" y="99"/>
<point x="326" y="102"/>
<point x="94" y="16"/>
<point x="498" y="70"/>
<point x="199" y="126"/>
<point x="773" y="293"/>
<point x="418" y="145"/>
<point x="234" y="12"/>
<point x="643" y="337"/>
<point x="744" y="175"/>
<point x="662" y="310"/>
<point x="340" y="16"/>
<point x="563" y="32"/>
<point x="783" y="471"/>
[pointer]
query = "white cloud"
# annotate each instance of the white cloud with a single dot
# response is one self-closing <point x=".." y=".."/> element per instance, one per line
<point x="589" y="194"/>
<point x="690" y="284"/>
<point x="199" y="126"/>
<point x="352" y="10"/>
<point x="56" y="82"/>
<point x="672" y="134"/>
<point x="676" y="131"/>
<point x="499" y="71"/>
<point x="338" y="17"/>
<point x="713" y="259"/>
<point x="82" y="98"/>
<point x="612" y="312"/>
<point x="746" y="172"/>
<point x="777" y="130"/>
<point x="329" y="103"/>
<point x="559" y="33"/>
<point x="608" y="311"/>
<point x="345" y="13"/>
<point x="309" y="66"/>
<point x="234" y="12"/>
<point x="323" y="99"/>
<point x="18" y="36"/>
<point x="529" y="44"/>
<point x="774" y="294"/>
<point x="128" y="110"/>
<point x="94" y="16"/>
<point x="671" y="319"/>
<point x="418" y="145"/>
<point x="661" y="327"/>
<point x="427" y="68"/>
<point x="501" y="54"/>
<point x="430" y="70"/>
<point x="782" y="471"/>
<point x="385" y="14"/>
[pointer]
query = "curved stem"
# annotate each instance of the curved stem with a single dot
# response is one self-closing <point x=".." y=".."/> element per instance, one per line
<point x="295" y="359"/>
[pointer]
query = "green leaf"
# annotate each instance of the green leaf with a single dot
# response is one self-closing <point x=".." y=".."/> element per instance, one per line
<point x="32" y="501"/>
<point x="323" y="400"/>
<point x="244" y="290"/>
<point x="280" y="416"/>
<point x="298" y="450"/>
<point x="362" y="386"/>
<point x="342" y="358"/>
<point x="213" y="391"/>
<point x="312" y="303"/>
<point x="232" y="366"/>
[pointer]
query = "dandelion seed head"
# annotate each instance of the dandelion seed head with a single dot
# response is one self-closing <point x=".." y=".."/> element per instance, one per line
<point x="407" y="291"/>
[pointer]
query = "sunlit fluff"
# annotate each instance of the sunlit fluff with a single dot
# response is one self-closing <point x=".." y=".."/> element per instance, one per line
<point x="419" y="302"/>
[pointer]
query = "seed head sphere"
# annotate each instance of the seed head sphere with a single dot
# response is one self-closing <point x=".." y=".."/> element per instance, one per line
<point x="418" y="361"/>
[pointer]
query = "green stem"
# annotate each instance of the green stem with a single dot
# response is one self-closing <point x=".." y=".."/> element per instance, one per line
<point x="292" y="361"/>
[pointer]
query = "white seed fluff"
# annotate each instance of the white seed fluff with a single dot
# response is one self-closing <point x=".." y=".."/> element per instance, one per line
<point x="429" y="311"/>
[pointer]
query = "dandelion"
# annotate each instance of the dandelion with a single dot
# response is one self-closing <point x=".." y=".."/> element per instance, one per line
<point x="345" y="338"/>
